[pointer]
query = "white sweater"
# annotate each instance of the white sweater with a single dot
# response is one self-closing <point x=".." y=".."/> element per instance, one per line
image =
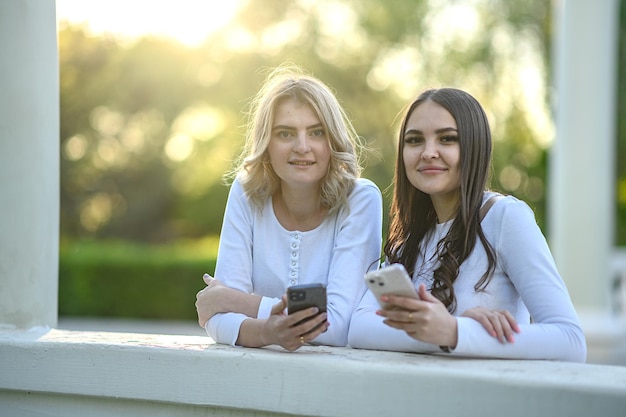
<point x="526" y="283"/>
<point x="258" y="256"/>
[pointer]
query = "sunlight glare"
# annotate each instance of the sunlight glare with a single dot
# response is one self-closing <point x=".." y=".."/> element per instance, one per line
<point x="188" y="21"/>
<point x="397" y="69"/>
<point x="200" y="122"/>
<point x="96" y="211"/>
<point x="75" y="148"/>
<point x="179" y="147"/>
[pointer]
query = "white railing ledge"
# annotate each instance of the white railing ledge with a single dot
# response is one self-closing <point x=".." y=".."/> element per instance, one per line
<point x="141" y="373"/>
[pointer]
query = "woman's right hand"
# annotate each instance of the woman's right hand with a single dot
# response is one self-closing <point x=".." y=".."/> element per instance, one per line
<point x="281" y="329"/>
<point x="218" y="298"/>
<point x="209" y="301"/>
<point x="499" y="323"/>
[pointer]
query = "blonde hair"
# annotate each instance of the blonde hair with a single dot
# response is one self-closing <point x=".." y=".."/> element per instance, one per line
<point x="254" y="170"/>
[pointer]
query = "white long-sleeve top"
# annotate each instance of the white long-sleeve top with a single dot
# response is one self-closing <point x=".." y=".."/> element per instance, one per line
<point x="258" y="255"/>
<point x="525" y="282"/>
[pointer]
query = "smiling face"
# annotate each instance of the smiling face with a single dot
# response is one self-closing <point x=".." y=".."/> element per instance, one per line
<point x="432" y="154"/>
<point x="299" y="150"/>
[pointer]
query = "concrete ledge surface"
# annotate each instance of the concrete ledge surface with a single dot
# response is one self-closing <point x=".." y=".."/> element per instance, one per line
<point x="314" y="381"/>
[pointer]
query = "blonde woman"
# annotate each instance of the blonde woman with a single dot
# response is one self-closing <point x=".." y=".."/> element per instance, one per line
<point x="297" y="213"/>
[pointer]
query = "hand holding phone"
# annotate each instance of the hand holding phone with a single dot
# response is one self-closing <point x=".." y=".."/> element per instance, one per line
<point x="300" y="297"/>
<point x="392" y="280"/>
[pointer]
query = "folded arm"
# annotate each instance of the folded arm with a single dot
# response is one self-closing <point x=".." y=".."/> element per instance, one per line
<point x="217" y="298"/>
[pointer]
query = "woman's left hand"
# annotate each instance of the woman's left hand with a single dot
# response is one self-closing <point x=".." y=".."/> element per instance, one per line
<point x="426" y="319"/>
<point x="499" y="323"/>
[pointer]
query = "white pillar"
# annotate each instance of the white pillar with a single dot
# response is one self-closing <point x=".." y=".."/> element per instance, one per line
<point x="582" y="171"/>
<point x="582" y="184"/>
<point x="29" y="163"/>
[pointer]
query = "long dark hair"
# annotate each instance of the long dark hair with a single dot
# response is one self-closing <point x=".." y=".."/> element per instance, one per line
<point x="412" y="215"/>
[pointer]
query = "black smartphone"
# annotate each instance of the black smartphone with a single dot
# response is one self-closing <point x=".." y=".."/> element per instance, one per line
<point x="304" y="296"/>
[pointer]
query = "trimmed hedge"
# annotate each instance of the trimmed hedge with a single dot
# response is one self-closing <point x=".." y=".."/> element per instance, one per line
<point x="112" y="279"/>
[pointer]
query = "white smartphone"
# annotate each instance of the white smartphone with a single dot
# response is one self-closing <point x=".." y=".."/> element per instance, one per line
<point x="392" y="279"/>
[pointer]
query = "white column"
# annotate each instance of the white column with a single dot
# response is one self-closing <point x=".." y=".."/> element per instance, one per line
<point x="582" y="184"/>
<point x="582" y="171"/>
<point x="29" y="163"/>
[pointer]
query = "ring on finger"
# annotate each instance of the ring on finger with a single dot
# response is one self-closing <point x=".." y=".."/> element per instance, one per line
<point x="410" y="316"/>
<point x="302" y="339"/>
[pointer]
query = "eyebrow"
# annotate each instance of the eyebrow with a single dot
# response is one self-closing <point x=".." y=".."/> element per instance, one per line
<point x="438" y="131"/>
<point x="285" y="127"/>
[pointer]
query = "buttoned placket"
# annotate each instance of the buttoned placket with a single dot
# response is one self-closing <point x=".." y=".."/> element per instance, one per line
<point x="296" y="239"/>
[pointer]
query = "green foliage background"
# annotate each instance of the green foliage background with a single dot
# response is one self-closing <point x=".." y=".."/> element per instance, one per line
<point x="121" y="279"/>
<point x="149" y="126"/>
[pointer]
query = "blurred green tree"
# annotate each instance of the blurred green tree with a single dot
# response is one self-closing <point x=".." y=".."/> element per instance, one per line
<point x="149" y="127"/>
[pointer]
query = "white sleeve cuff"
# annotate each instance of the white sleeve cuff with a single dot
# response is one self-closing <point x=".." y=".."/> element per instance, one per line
<point x="265" y="307"/>
<point x="224" y="327"/>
